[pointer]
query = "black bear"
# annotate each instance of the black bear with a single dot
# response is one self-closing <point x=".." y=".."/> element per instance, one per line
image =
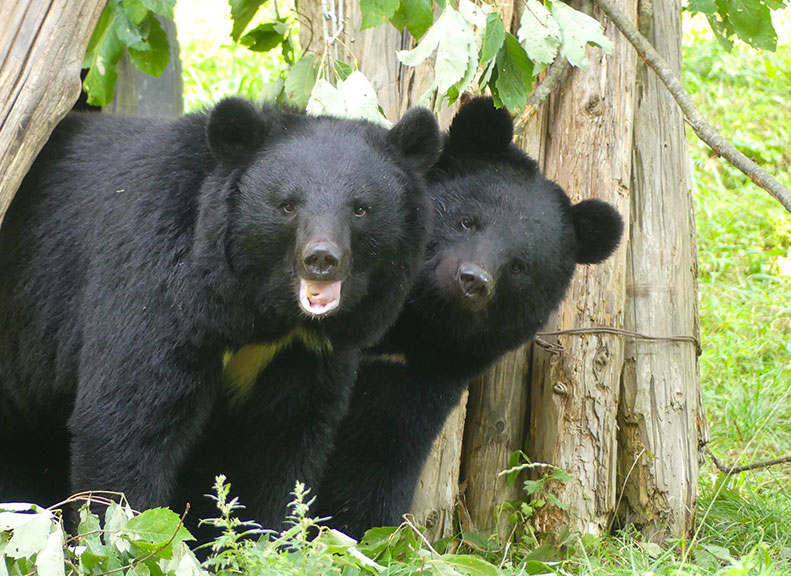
<point x="145" y="264"/>
<point x="504" y="247"/>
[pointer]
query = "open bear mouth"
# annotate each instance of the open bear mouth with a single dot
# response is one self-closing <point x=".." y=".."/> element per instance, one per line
<point x="319" y="298"/>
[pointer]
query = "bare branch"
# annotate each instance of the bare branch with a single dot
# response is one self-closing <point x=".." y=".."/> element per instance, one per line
<point x="718" y="144"/>
<point x="747" y="467"/>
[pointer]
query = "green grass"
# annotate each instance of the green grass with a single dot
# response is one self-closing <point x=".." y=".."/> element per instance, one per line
<point x="744" y="247"/>
<point x="213" y="66"/>
<point x="744" y="252"/>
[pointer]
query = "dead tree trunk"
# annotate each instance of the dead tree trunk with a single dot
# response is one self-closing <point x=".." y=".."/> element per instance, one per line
<point x="41" y="49"/>
<point x="660" y="430"/>
<point x="575" y="393"/>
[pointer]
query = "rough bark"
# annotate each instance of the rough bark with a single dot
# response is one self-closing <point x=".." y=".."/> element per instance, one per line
<point x="494" y="428"/>
<point x="42" y="44"/>
<point x="658" y="417"/>
<point x="575" y="393"/>
<point x="438" y="488"/>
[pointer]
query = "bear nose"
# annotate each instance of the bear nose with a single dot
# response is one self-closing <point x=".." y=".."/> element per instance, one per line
<point x="476" y="283"/>
<point x="321" y="259"/>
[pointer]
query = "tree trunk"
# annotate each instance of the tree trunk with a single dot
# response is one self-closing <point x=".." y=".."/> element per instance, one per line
<point x="575" y="393"/>
<point x="660" y="417"/>
<point x="42" y="44"/>
<point x="137" y="93"/>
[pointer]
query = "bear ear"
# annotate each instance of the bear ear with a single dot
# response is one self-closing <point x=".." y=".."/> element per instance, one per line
<point x="234" y="129"/>
<point x="418" y="138"/>
<point x="598" y="228"/>
<point x="479" y="127"/>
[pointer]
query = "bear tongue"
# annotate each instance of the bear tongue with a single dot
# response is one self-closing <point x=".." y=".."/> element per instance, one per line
<point x="319" y="298"/>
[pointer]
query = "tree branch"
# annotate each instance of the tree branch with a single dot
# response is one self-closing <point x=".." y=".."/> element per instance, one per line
<point x="747" y="467"/>
<point x="718" y="144"/>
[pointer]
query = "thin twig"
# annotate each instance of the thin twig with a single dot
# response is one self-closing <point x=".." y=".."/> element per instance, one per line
<point x="747" y="467"/>
<point x="415" y="529"/>
<point x="705" y="132"/>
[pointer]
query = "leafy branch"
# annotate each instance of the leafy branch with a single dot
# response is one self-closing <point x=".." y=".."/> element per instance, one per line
<point x="705" y="132"/>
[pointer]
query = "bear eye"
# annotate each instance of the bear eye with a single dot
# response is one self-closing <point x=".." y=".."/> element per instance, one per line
<point x="288" y="208"/>
<point x="466" y="222"/>
<point x="517" y="267"/>
<point x="360" y="210"/>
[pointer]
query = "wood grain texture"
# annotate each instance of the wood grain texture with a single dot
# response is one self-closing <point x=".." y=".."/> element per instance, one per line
<point x="42" y="44"/>
<point x="575" y="394"/>
<point x="660" y="432"/>
<point x="494" y="429"/>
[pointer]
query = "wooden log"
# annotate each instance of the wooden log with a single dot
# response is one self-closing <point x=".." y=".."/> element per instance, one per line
<point x="42" y="44"/>
<point x="575" y="393"/>
<point x="660" y="432"/>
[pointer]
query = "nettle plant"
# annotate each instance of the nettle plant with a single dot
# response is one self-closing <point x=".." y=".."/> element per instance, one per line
<point x="471" y="45"/>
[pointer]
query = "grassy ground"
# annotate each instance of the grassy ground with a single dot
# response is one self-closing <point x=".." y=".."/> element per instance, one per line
<point x="744" y="241"/>
<point x="744" y="252"/>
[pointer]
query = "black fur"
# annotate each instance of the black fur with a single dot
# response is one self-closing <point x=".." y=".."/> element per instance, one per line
<point x="138" y="252"/>
<point x="511" y="239"/>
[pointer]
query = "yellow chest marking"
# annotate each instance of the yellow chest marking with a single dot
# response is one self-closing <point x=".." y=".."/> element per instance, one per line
<point x="241" y="368"/>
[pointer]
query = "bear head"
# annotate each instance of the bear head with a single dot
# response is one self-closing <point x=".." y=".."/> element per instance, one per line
<point x="504" y="247"/>
<point x="321" y="222"/>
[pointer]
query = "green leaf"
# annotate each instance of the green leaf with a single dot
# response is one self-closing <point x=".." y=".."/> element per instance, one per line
<point x="353" y="98"/>
<point x="342" y="69"/>
<point x="722" y="31"/>
<point x="471" y="565"/>
<point x="493" y="37"/>
<point x="136" y="10"/>
<point x="473" y="14"/>
<point x="416" y="15"/>
<point x="301" y="80"/>
<point x="752" y="22"/>
<point x="514" y="74"/>
<point x="115" y="519"/>
<point x="377" y="12"/>
<point x="50" y="560"/>
<point x="162" y="8"/>
<point x="242" y="12"/>
<point x="266" y="36"/>
<point x="153" y="528"/>
<point x="539" y="34"/>
<point x="154" y="57"/>
<point x="578" y="30"/>
<point x="105" y="50"/>
<point x="129" y="33"/>
<point x="31" y="537"/>
<point x="271" y="92"/>
<point x="705" y="6"/>
<point x="451" y="36"/>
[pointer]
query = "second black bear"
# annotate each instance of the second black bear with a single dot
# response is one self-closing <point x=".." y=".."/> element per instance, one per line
<point x="142" y="259"/>
<point x="505" y="244"/>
